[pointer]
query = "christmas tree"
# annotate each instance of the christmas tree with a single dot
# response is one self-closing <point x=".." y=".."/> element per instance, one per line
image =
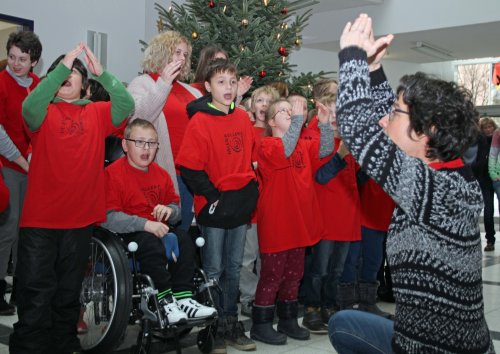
<point x="259" y="35"/>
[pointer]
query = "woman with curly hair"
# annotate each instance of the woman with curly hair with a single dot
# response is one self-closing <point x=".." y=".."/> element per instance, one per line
<point x="411" y="144"/>
<point x="161" y="97"/>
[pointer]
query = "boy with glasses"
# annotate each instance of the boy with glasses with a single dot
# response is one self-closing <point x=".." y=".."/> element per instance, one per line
<point x="140" y="201"/>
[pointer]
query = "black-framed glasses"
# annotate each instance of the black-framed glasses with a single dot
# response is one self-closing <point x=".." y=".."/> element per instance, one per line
<point x="142" y="144"/>
<point x="395" y="110"/>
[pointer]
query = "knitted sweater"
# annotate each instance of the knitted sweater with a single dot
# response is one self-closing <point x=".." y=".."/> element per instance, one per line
<point x="434" y="245"/>
<point x="494" y="158"/>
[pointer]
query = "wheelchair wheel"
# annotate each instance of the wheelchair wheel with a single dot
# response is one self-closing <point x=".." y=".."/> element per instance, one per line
<point x="106" y="296"/>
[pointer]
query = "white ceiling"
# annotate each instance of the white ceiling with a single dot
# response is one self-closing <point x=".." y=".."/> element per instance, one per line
<point x="463" y="42"/>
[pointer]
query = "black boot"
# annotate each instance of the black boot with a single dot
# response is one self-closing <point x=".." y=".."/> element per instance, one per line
<point x="5" y="308"/>
<point x="262" y="327"/>
<point x="368" y="299"/>
<point x="287" y="313"/>
<point x="346" y="296"/>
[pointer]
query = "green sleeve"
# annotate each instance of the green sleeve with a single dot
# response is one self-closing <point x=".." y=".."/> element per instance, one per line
<point x="36" y="104"/>
<point x="122" y="103"/>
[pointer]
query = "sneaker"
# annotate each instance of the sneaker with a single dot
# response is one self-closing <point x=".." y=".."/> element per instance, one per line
<point x="172" y="311"/>
<point x="219" y="346"/>
<point x="194" y="310"/>
<point x="489" y="247"/>
<point x="313" y="322"/>
<point x="235" y="336"/>
<point x="326" y="313"/>
<point x="246" y="309"/>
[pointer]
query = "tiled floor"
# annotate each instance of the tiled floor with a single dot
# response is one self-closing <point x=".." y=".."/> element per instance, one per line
<point x="319" y="344"/>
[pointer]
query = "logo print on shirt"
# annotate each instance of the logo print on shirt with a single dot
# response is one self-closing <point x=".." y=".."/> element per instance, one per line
<point x="72" y="126"/>
<point x="152" y="194"/>
<point x="234" y="142"/>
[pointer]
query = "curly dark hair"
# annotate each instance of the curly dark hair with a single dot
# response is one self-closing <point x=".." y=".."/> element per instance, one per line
<point x="28" y="42"/>
<point x="443" y="111"/>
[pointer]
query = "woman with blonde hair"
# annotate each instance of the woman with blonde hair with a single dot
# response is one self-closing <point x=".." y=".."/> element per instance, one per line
<point x="161" y="97"/>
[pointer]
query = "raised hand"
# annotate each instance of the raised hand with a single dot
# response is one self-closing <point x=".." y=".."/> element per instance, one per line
<point x="323" y="113"/>
<point x="374" y="60"/>
<point x="91" y="60"/>
<point x="70" y="56"/>
<point x="358" y="34"/>
<point x="298" y="109"/>
<point x="171" y="71"/>
<point x="244" y="85"/>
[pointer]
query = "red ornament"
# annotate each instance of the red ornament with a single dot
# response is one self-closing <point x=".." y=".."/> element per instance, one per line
<point x="284" y="11"/>
<point x="262" y="73"/>
<point x="211" y="4"/>
<point x="282" y="51"/>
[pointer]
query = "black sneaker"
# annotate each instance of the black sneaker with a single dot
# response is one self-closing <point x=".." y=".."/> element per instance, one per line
<point x="235" y="336"/>
<point x="313" y="322"/>
<point x="327" y="312"/>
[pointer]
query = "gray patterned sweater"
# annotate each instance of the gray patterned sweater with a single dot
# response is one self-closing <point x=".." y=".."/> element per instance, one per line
<point x="434" y="244"/>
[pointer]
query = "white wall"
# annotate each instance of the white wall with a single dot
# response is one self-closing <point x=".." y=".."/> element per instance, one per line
<point x="62" y="24"/>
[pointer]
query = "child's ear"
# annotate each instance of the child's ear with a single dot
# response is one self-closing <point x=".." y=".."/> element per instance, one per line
<point x="124" y="145"/>
<point x="207" y="86"/>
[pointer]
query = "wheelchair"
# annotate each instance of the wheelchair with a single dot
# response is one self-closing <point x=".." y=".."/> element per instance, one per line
<point x="115" y="294"/>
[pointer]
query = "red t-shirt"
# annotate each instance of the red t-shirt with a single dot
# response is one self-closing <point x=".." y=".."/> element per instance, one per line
<point x="11" y="99"/>
<point x="66" y="176"/>
<point x="376" y="206"/>
<point x="288" y="208"/>
<point x="339" y="201"/>
<point x="222" y="147"/>
<point x="136" y="192"/>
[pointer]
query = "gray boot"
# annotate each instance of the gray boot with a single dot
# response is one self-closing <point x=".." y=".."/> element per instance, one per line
<point x="262" y="327"/>
<point x="346" y="296"/>
<point x="368" y="300"/>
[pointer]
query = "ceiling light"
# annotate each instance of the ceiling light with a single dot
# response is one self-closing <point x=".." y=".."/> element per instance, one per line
<point x="433" y="51"/>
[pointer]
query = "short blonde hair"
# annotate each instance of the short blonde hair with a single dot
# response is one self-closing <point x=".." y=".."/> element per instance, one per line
<point x="483" y="122"/>
<point x="160" y="51"/>
<point x="268" y="90"/>
<point x="327" y="100"/>
<point x="323" y="87"/>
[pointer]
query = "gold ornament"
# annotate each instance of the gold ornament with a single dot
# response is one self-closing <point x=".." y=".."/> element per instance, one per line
<point x="194" y="35"/>
<point x="298" y="42"/>
<point x="160" y="25"/>
<point x="266" y="2"/>
<point x="244" y="22"/>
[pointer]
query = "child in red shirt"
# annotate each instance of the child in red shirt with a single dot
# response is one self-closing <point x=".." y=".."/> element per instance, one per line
<point x="16" y="82"/>
<point x="64" y="199"/>
<point x="215" y="160"/>
<point x="140" y="200"/>
<point x="261" y="99"/>
<point x="287" y="220"/>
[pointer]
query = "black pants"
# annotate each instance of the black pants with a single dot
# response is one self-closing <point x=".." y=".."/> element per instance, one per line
<point x="153" y="261"/>
<point x="488" y="213"/>
<point x="50" y="271"/>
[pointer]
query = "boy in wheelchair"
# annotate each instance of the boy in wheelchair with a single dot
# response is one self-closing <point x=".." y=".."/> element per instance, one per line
<point x="140" y="200"/>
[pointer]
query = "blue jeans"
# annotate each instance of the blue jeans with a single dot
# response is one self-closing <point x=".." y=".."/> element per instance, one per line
<point x="370" y="249"/>
<point x="353" y="331"/>
<point x="221" y="257"/>
<point x="186" y="205"/>
<point x="327" y="264"/>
